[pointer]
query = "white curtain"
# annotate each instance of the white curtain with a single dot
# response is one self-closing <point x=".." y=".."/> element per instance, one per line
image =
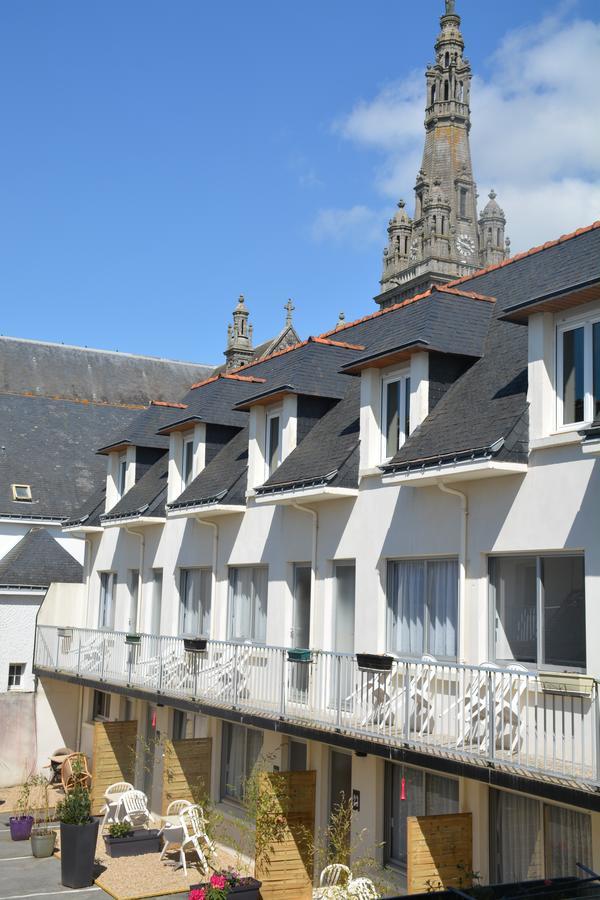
<point x="442" y="597"/>
<point x="233" y="761"/>
<point x="406" y="606"/>
<point x="568" y="841"/>
<point x="259" y="602"/>
<point x="441" y="795"/>
<point x="195" y="602"/>
<point x="248" y="587"/>
<point x="516" y="838"/>
<point x="107" y="606"/>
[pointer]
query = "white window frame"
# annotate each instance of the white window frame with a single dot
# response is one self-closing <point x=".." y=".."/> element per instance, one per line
<point x="232" y="576"/>
<point x="563" y="326"/>
<point x="17" y="489"/>
<point x="187" y="442"/>
<point x="122" y="474"/>
<point x="111" y="578"/>
<point x="106" y="702"/>
<point x="17" y="677"/>
<point x="185" y="572"/>
<point x="402" y="376"/>
<point x="275" y="412"/>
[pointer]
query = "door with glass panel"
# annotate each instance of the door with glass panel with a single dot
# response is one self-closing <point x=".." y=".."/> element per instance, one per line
<point x="134" y="582"/>
<point x="240" y="751"/>
<point x="299" y="672"/>
<point x="344" y="576"/>
<point x="156" y="609"/>
<point x="195" y="602"/>
<point x="422" y="599"/>
<point x="340" y="785"/>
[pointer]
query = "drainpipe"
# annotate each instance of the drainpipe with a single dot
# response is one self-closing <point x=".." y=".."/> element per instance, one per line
<point x="313" y="564"/>
<point x="215" y="551"/>
<point x="462" y="583"/>
<point x="140" y="535"/>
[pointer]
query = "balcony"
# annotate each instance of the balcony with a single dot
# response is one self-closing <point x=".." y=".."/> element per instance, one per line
<point x="524" y="723"/>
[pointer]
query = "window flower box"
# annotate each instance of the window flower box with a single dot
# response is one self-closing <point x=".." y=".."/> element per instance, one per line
<point x="299" y="656"/>
<point x="65" y="632"/>
<point x="571" y="683"/>
<point x="133" y="639"/>
<point x="241" y="889"/>
<point x="374" y="662"/>
<point x="195" y="645"/>
<point x="140" y="841"/>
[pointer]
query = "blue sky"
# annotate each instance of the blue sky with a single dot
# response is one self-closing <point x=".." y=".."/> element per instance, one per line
<point x="159" y="158"/>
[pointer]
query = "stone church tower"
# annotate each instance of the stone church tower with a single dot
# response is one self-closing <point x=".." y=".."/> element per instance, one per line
<point x="240" y="350"/>
<point x="445" y="239"/>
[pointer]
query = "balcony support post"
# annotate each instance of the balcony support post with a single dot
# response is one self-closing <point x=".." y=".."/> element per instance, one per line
<point x="79" y="653"/>
<point x="284" y="669"/>
<point x="491" y="715"/>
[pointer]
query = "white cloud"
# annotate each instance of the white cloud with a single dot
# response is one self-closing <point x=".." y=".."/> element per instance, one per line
<point x="535" y="136"/>
<point x="355" y="226"/>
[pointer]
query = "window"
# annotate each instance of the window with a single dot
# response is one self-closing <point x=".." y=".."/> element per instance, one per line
<point x="538" y="605"/>
<point x="297" y="756"/>
<point x="248" y="588"/>
<point x="21" y="492"/>
<point x="532" y="840"/>
<point x="422" y="601"/>
<point x="106" y="617"/>
<point x="16" y="674"/>
<point x="187" y="462"/>
<point x="578" y="391"/>
<point x="426" y="795"/>
<point x="273" y="441"/>
<point x="194" y="609"/>
<point x="157" y="582"/>
<point x="122" y="474"/>
<point x="395" y="416"/>
<point x="463" y="203"/>
<point x="134" y="582"/>
<point x="240" y="750"/>
<point x="101" y="706"/>
<point x="180" y="720"/>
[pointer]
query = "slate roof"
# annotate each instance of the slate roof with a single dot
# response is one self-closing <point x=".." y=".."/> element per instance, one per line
<point x="329" y="453"/>
<point x="50" y="445"/>
<point x="213" y="400"/>
<point x="89" y="513"/>
<point x="141" y="431"/>
<point x="147" y="497"/>
<point x="37" y="561"/>
<point x="223" y="480"/>
<point x="43" y="369"/>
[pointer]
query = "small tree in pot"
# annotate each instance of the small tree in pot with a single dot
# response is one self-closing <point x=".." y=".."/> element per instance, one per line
<point x="43" y="838"/>
<point x="21" y="824"/>
<point x="78" y="837"/>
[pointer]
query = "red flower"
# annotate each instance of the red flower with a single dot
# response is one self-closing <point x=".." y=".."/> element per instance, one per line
<point x="217" y="881"/>
<point x="197" y="894"/>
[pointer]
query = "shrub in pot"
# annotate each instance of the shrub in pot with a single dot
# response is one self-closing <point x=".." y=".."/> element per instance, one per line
<point x="78" y="836"/>
<point x="43" y="837"/>
<point x="21" y="824"/>
<point x="224" y="885"/>
<point x="123" y="840"/>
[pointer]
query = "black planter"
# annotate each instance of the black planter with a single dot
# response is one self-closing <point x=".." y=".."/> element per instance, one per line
<point x="195" y="645"/>
<point x="374" y="662"/>
<point x="249" y="891"/>
<point x="133" y="639"/>
<point x="77" y="854"/>
<point x="141" y="841"/>
<point x="299" y="656"/>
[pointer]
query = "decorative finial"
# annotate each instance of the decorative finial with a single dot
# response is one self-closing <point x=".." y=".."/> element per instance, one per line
<point x="401" y="204"/>
<point x="241" y="300"/>
<point x="341" y="320"/>
<point x="289" y="308"/>
<point x="450" y="10"/>
<point x="492" y="194"/>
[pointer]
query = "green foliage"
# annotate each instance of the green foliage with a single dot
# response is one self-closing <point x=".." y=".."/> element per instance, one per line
<point x="120" y="830"/>
<point x="42" y="822"/>
<point x="76" y="808"/>
<point x="24" y="798"/>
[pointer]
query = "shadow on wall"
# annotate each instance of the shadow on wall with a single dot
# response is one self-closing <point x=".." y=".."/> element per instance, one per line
<point x="17" y="738"/>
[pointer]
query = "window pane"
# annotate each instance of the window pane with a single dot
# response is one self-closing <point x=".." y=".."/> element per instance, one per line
<point x="301" y="617"/>
<point x="232" y="761"/>
<point x="259" y="601"/>
<point x="514" y="583"/>
<point x="442" y="598"/>
<point x="564" y="610"/>
<point x="157" y="577"/>
<point x="248" y="589"/>
<point x="134" y="580"/>
<point x="406" y="408"/>
<point x="188" y="461"/>
<point x="392" y="418"/>
<point x="273" y="451"/>
<point x="195" y="602"/>
<point x="573" y="375"/>
<point x="441" y="795"/>
<point x="568" y="839"/>
<point x="596" y="340"/>
<point x="413" y="805"/>
<point x="107" y="613"/>
<point x="515" y="838"/>
<point x="406" y="606"/>
<point x="254" y="741"/>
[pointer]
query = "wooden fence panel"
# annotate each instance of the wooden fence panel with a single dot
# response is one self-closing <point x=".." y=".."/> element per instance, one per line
<point x="114" y="758"/>
<point x="287" y="869"/>
<point x="186" y="770"/>
<point x="440" y="851"/>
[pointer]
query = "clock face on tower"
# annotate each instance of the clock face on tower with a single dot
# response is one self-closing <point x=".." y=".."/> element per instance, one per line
<point x="465" y="245"/>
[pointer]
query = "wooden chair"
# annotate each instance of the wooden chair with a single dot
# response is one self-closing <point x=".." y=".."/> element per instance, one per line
<point x="74" y="771"/>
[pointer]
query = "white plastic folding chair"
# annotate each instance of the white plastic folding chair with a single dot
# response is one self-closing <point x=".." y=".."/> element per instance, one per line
<point x="362" y="889"/>
<point x="113" y="795"/>
<point x="193" y="826"/>
<point x="510" y="720"/>
<point x="419" y="686"/>
<point x="135" y="809"/>
<point x="335" y="874"/>
<point x="172" y="829"/>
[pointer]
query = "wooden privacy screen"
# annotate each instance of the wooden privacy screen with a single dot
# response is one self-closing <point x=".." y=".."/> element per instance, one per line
<point x="440" y="851"/>
<point x="286" y="869"/>
<point x="186" y="770"/>
<point x="114" y="758"/>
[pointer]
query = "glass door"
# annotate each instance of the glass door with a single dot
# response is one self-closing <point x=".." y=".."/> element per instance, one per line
<point x="340" y="783"/>
<point x="343" y="639"/>
<point x="300" y="635"/>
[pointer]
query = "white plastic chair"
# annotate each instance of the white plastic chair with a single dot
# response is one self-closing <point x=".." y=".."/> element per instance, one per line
<point x="509" y="694"/>
<point x="335" y="874"/>
<point x="362" y="889"/>
<point x="172" y="829"/>
<point x="135" y="809"/>
<point x="113" y="795"/>
<point x="419" y="685"/>
<point x="193" y="825"/>
<point x="176" y="807"/>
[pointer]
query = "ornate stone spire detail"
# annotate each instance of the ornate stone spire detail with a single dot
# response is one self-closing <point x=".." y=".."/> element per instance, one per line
<point x="443" y="239"/>
<point x="239" y="337"/>
<point x="289" y="309"/>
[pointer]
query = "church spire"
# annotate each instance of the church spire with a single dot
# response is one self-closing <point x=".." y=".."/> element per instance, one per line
<point x="442" y="240"/>
<point x="239" y="337"/>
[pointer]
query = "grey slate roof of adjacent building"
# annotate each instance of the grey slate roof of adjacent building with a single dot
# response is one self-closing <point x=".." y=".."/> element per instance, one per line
<point x="141" y="431"/>
<point x="37" y="561"/>
<point x="50" y="445"/>
<point x="329" y="452"/>
<point x="223" y="480"/>
<point x="213" y="401"/>
<point x="147" y="497"/>
<point x="43" y="369"/>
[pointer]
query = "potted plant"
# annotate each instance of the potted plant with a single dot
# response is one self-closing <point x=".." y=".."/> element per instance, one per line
<point x="43" y="838"/>
<point x="195" y="644"/>
<point x="78" y="836"/>
<point x="21" y="824"/>
<point x="374" y="662"/>
<point x="133" y="639"/>
<point x="224" y="884"/>
<point x="123" y="840"/>
<point x="297" y="655"/>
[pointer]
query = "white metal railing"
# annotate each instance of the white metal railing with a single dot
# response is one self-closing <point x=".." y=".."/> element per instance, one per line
<point x="477" y="713"/>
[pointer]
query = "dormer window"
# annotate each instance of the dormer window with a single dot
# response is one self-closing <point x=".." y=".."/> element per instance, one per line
<point x="273" y="441"/>
<point x="122" y="474"/>
<point x="395" y="413"/>
<point x="578" y="372"/>
<point x="21" y="492"/>
<point x="187" y="460"/>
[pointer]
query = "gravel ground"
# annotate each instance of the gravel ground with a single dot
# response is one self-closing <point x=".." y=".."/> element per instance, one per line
<point x="9" y="797"/>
